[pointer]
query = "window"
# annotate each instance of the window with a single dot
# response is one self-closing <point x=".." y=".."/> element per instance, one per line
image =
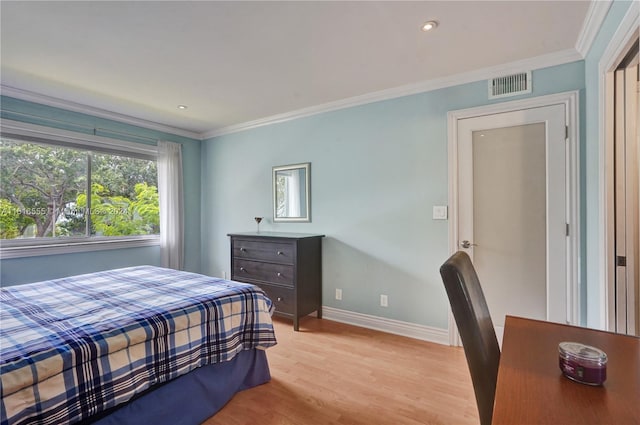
<point x="57" y="191"/>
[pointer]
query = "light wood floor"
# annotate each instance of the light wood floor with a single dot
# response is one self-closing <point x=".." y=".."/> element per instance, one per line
<point x="332" y="373"/>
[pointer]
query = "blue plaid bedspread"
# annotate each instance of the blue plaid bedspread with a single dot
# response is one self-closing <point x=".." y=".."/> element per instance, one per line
<point x="73" y="347"/>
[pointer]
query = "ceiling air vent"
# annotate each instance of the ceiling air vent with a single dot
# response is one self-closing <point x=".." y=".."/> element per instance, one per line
<point x="510" y="85"/>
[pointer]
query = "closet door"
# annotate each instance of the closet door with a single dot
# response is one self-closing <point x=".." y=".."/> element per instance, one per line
<point x="627" y="199"/>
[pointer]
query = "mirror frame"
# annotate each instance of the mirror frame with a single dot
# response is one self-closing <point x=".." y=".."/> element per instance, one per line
<point x="307" y="202"/>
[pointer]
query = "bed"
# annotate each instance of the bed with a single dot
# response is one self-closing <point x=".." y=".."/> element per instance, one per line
<point x="134" y="345"/>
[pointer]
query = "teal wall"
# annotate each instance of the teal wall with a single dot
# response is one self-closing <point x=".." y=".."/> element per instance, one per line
<point x="376" y="172"/>
<point x="30" y="269"/>
<point x="34" y="269"/>
<point x="591" y="196"/>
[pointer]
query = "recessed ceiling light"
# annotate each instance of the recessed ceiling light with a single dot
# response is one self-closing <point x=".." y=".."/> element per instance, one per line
<point x="183" y="107"/>
<point x="428" y="26"/>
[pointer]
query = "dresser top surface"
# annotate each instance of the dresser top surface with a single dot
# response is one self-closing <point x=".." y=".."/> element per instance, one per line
<point x="278" y="235"/>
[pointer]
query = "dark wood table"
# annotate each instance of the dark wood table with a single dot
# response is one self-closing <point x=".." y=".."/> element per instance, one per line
<point x="532" y="390"/>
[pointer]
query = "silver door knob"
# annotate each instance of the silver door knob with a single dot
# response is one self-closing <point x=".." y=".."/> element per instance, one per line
<point x="466" y="244"/>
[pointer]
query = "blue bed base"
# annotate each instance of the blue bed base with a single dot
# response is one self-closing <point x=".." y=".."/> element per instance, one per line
<point x="196" y="396"/>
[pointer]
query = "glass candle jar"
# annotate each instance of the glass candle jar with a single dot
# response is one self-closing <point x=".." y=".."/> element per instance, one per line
<point x="583" y="363"/>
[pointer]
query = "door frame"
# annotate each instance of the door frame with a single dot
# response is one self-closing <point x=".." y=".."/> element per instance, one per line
<point x="570" y="101"/>
<point x="617" y="47"/>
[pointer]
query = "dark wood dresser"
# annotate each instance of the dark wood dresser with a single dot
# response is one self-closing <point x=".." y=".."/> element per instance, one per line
<point x="287" y="266"/>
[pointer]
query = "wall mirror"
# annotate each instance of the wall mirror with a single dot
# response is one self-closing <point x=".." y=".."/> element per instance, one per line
<point x="292" y="192"/>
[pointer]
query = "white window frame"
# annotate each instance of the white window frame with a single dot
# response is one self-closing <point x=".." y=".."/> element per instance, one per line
<point x="47" y="246"/>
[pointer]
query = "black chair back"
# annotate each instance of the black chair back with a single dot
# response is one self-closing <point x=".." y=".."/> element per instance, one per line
<point x="471" y="313"/>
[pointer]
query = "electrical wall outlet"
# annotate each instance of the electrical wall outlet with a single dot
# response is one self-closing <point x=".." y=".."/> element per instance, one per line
<point x="338" y="294"/>
<point x="384" y="301"/>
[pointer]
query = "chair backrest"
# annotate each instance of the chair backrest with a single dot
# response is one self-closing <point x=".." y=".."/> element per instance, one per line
<point x="471" y="313"/>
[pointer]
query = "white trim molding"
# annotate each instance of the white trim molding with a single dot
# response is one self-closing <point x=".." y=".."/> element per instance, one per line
<point x="95" y="112"/>
<point x="592" y="22"/>
<point x="392" y="326"/>
<point x="571" y="102"/>
<point x="611" y="57"/>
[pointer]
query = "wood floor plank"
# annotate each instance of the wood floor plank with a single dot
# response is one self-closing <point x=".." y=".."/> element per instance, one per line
<point x="330" y="373"/>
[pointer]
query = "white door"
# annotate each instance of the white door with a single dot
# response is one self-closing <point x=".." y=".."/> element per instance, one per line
<point x="512" y="210"/>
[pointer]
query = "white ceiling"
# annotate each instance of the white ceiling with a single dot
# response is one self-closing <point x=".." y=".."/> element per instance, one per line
<point x="237" y="62"/>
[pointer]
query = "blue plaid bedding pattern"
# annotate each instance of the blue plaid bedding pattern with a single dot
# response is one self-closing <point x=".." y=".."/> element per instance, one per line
<point x="73" y="347"/>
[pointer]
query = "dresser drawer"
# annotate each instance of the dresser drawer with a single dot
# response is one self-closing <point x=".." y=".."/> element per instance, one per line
<point x="283" y="298"/>
<point x="276" y="252"/>
<point x="264" y="272"/>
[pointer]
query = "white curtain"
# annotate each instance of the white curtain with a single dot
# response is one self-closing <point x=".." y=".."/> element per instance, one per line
<point x="171" y="204"/>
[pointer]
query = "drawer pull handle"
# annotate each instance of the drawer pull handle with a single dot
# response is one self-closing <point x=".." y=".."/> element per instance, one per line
<point x="280" y="299"/>
<point x="242" y="249"/>
<point x="279" y="274"/>
<point x="242" y="269"/>
<point x="280" y="253"/>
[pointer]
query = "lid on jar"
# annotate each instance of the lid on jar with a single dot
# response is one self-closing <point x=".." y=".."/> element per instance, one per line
<point x="582" y="351"/>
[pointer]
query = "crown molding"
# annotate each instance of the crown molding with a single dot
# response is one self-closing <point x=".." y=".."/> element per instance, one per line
<point x="538" y="62"/>
<point x="592" y="22"/>
<point x="96" y="112"/>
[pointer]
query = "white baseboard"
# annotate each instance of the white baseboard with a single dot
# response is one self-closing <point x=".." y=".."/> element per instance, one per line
<point x="411" y="330"/>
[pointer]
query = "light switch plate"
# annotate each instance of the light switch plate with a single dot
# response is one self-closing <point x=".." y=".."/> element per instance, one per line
<point x="439" y="212"/>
